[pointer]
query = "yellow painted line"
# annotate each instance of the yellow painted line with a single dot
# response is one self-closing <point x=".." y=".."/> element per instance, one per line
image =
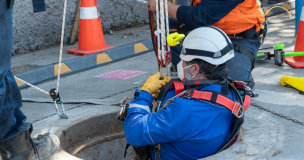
<point x="265" y="11"/>
<point x="19" y="83"/>
<point x="287" y="6"/>
<point x="64" y="69"/>
<point x="139" y="47"/>
<point x="102" y="58"/>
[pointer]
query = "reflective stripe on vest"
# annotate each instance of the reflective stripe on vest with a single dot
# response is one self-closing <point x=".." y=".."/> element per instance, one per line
<point x="244" y="16"/>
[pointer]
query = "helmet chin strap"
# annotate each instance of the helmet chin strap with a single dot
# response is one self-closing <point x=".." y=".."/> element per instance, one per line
<point x="188" y="76"/>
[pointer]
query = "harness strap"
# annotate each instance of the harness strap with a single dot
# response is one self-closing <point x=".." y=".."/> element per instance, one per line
<point x="246" y="52"/>
<point x="211" y="96"/>
<point x="156" y="152"/>
<point x="247" y="94"/>
<point x="179" y="87"/>
<point x="217" y="98"/>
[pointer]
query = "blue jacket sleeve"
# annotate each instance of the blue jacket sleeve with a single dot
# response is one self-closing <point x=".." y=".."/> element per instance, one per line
<point x="144" y="128"/>
<point x="205" y="13"/>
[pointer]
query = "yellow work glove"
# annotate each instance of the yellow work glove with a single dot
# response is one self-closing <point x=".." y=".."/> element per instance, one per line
<point x="153" y="84"/>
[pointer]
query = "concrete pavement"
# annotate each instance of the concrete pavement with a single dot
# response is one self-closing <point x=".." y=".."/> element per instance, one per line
<point x="267" y="136"/>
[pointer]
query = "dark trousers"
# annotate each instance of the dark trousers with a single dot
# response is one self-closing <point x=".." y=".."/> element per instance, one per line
<point x="12" y="120"/>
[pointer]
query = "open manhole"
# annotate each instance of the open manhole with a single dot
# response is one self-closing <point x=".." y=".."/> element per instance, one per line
<point x="96" y="138"/>
<point x="102" y="138"/>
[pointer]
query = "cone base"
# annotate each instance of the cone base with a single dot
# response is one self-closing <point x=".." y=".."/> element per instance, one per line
<point x="76" y="51"/>
<point x="294" y="63"/>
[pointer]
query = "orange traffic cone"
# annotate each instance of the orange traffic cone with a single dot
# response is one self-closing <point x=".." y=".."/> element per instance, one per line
<point x="90" y="39"/>
<point x="298" y="61"/>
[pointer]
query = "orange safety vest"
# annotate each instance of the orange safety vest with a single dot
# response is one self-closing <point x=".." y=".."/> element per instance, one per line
<point x="244" y="16"/>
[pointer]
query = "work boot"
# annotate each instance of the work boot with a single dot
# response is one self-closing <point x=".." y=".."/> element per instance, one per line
<point x="23" y="147"/>
<point x="251" y="82"/>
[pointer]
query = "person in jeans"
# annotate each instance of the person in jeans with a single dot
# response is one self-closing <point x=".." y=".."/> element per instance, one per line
<point x="15" y="140"/>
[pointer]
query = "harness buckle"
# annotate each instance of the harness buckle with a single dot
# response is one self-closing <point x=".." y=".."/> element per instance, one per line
<point x="241" y="133"/>
<point x="241" y="108"/>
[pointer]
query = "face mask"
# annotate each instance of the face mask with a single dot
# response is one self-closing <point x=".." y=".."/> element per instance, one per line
<point x="180" y="71"/>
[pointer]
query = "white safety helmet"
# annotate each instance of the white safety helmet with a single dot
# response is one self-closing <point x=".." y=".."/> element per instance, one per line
<point x="209" y="44"/>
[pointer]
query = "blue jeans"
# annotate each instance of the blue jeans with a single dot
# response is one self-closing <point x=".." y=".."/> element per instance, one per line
<point x="12" y="120"/>
<point x="239" y="66"/>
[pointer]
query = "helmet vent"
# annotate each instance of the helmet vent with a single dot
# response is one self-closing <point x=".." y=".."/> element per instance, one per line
<point x="217" y="54"/>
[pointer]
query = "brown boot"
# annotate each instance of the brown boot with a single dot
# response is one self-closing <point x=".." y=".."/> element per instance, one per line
<point x="22" y="147"/>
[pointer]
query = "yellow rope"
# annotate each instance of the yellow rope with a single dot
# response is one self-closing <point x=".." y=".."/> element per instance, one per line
<point x="278" y="7"/>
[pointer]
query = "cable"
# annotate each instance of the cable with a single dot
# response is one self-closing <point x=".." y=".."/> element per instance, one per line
<point x="279" y="7"/>
<point x="61" y="45"/>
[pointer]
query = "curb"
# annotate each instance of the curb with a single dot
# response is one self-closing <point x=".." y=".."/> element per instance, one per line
<point x="83" y="63"/>
<point x="291" y="4"/>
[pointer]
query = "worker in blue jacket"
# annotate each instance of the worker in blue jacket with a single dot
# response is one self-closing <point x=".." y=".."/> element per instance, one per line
<point x="186" y="128"/>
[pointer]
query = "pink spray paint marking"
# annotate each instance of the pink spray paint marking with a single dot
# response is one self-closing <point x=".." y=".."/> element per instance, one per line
<point x="121" y="74"/>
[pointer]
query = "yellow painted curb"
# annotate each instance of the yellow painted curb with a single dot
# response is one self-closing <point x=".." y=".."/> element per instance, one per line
<point x="286" y="6"/>
<point x="102" y="58"/>
<point x="265" y="11"/>
<point x="139" y="47"/>
<point x="64" y="69"/>
<point x="19" y="83"/>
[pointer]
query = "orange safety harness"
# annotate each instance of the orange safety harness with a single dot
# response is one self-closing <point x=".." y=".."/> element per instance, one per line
<point x="215" y="97"/>
<point x="239" y="89"/>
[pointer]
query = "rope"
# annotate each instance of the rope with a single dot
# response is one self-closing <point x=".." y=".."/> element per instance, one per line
<point x="167" y="22"/>
<point x="39" y="89"/>
<point x="167" y="28"/>
<point x="61" y="46"/>
<point x="160" y="33"/>
<point x="158" y="38"/>
<point x="153" y="36"/>
<point x="163" y="31"/>
<point x="60" y="58"/>
<point x="63" y="114"/>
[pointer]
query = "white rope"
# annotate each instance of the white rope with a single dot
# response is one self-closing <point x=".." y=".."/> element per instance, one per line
<point x="167" y="22"/>
<point x="163" y="31"/>
<point x="158" y="36"/>
<point x="39" y="89"/>
<point x="63" y="114"/>
<point x="157" y="31"/>
<point x="61" y="46"/>
<point x="167" y="28"/>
